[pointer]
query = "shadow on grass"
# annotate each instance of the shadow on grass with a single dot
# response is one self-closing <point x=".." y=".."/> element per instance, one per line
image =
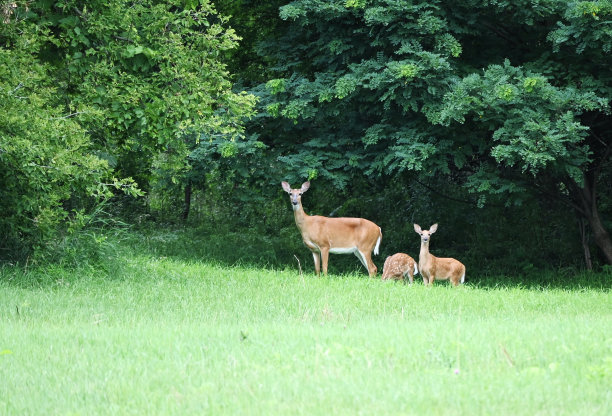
<point x="283" y="251"/>
<point x="273" y="252"/>
<point x="547" y="279"/>
<point x="286" y="251"/>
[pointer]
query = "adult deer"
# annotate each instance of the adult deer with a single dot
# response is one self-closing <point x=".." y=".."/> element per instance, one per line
<point x="432" y="267"/>
<point x="323" y="235"/>
<point x="398" y="266"/>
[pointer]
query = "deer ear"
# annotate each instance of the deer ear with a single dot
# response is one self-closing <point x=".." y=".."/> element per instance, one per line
<point x="305" y="186"/>
<point x="433" y="228"/>
<point x="417" y="228"/>
<point x="286" y="187"/>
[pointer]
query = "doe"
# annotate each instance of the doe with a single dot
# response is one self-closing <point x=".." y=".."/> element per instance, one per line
<point x="432" y="267"/>
<point x="323" y="235"/>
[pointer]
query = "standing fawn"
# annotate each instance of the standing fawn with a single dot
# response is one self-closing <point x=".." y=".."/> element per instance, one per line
<point x="432" y="267"/>
<point x="398" y="266"/>
<point x="323" y="235"/>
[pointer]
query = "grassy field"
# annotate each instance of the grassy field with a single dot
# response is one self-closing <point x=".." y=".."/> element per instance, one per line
<point x="158" y="335"/>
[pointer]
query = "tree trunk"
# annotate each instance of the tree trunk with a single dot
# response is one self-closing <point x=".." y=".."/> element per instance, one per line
<point x="187" y="205"/>
<point x="585" y="243"/>
<point x="587" y="197"/>
<point x="601" y="236"/>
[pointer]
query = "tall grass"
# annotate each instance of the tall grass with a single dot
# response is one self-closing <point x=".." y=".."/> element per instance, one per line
<point x="156" y="334"/>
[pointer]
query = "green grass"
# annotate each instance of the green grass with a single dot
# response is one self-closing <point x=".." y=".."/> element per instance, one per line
<point x="156" y="335"/>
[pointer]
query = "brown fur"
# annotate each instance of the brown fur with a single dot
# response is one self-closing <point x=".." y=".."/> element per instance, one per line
<point x="432" y="267"/>
<point x="322" y="234"/>
<point x="398" y="266"/>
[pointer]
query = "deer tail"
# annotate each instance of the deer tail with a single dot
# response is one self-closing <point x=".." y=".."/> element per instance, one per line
<point x="378" y="242"/>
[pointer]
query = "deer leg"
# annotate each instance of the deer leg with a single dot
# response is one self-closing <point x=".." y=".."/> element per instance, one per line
<point x="455" y="280"/>
<point x="370" y="264"/>
<point x="325" y="258"/>
<point x="317" y="262"/>
<point x="361" y="258"/>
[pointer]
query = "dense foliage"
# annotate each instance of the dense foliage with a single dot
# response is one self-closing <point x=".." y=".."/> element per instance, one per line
<point x="507" y="101"/>
<point x="492" y="118"/>
<point x="93" y="91"/>
<point x="50" y="170"/>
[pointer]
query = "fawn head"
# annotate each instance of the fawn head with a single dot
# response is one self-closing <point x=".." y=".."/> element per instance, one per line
<point x="425" y="234"/>
<point x="295" y="195"/>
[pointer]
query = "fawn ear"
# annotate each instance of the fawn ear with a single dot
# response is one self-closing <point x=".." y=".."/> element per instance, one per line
<point x="286" y="187"/>
<point x="305" y="186"/>
<point x="433" y="228"/>
<point x="417" y="228"/>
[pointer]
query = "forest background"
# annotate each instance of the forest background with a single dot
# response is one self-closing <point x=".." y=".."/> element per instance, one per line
<point x="491" y="118"/>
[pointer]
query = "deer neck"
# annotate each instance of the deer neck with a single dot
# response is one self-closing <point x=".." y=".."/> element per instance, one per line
<point x="300" y="215"/>
<point x="424" y="254"/>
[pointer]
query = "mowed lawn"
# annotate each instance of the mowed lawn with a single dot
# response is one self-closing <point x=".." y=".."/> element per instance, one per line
<point x="161" y="336"/>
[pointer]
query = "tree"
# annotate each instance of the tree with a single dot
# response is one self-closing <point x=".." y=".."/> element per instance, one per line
<point x="152" y="69"/>
<point x="253" y="21"/>
<point x="510" y="101"/>
<point x="103" y="89"/>
<point x="50" y="171"/>
<point x="556" y="127"/>
<point x="535" y="134"/>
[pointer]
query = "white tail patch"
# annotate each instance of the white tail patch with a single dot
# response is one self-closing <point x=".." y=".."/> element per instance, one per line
<point x="463" y="278"/>
<point x="416" y="269"/>
<point x="377" y="243"/>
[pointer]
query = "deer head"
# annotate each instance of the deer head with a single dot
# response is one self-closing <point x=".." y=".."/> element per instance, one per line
<point x="425" y="234"/>
<point x="295" y="195"/>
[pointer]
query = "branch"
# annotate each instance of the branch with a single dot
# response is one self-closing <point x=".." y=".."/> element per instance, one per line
<point x="501" y="34"/>
<point x="605" y="156"/>
<point x="20" y="85"/>
<point x="463" y="201"/>
<point x="123" y="38"/>
<point x="80" y="13"/>
<point x="599" y="139"/>
<point x="565" y="201"/>
<point x="70" y="115"/>
<point x="331" y="214"/>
